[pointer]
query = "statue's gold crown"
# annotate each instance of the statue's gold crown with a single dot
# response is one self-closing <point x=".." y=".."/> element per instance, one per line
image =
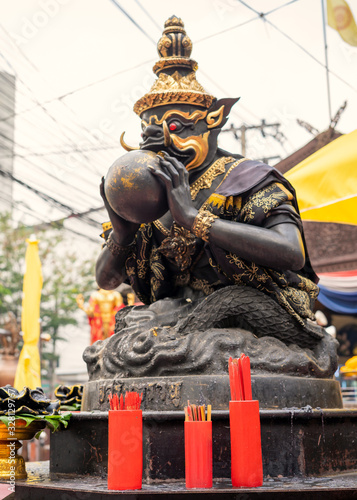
<point x="176" y="72"/>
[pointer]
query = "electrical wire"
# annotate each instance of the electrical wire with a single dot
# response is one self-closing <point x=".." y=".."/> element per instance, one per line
<point x="76" y="150"/>
<point x="308" y="53"/>
<point x="279" y="7"/>
<point x="45" y="224"/>
<point x="62" y="102"/>
<point x="104" y="133"/>
<point x="148" y="36"/>
<point x="244" y="23"/>
<point x="59" y="151"/>
<point x="117" y="4"/>
<point x="46" y="197"/>
<point x="28" y="152"/>
<point x="24" y="153"/>
<point x="84" y="87"/>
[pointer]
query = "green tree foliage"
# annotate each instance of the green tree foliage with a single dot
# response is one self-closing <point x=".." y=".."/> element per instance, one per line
<point x="65" y="275"/>
<point x="12" y="258"/>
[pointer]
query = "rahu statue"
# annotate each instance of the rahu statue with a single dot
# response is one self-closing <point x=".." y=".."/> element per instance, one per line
<point x="219" y="261"/>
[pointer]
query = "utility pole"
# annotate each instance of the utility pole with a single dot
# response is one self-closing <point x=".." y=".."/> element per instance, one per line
<point x="240" y="132"/>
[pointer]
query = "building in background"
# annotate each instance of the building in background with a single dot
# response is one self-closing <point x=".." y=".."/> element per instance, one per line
<point x="7" y="132"/>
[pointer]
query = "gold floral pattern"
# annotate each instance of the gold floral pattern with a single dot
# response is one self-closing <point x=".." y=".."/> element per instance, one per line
<point x="309" y="286"/>
<point x="266" y="199"/>
<point x="250" y="271"/>
<point x="203" y="285"/>
<point x="179" y="247"/>
<point x="212" y="267"/>
<point x="157" y="269"/>
<point x="182" y="279"/>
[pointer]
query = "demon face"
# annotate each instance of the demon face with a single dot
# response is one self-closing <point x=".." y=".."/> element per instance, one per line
<point x="185" y="131"/>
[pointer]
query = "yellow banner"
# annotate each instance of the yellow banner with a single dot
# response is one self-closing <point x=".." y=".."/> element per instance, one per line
<point x="326" y="182"/>
<point x="340" y="18"/>
<point x="28" y="373"/>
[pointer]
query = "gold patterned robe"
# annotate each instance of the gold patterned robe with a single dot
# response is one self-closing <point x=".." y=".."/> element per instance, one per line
<point x="163" y="262"/>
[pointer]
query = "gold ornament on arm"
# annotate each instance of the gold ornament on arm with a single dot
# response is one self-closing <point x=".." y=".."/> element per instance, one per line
<point x="124" y="145"/>
<point x="202" y="224"/>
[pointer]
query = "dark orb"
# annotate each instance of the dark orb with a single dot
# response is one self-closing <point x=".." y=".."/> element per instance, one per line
<point x="133" y="191"/>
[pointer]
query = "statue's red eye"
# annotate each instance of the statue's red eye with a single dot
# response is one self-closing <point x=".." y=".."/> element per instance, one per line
<point x="172" y="126"/>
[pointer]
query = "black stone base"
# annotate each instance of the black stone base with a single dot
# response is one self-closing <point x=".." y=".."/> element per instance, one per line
<point x="295" y="443"/>
<point x="39" y="486"/>
<point x="172" y="393"/>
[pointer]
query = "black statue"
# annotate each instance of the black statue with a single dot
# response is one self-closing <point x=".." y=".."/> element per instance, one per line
<point x="228" y="254"/>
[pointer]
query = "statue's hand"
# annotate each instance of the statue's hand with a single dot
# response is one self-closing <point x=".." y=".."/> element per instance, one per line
<point x="123" y="229"/>
<point x="175" y="178"/>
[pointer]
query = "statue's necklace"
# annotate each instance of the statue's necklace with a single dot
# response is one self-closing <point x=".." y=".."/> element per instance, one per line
<point x="206" y="179"/>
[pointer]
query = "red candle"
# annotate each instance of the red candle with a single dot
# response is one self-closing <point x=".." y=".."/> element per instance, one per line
<point x="198" y="454"/>
<point x="246" y="449"/>
<point x="125" y="450"/>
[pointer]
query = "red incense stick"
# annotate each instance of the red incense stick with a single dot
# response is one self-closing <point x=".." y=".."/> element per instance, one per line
<point x="240" y="378"/>
<point x="247" y="379"/>
<point x="194" y="413"/>
<point x="131" y="401"/>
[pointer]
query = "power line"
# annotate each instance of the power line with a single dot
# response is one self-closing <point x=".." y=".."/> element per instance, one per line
<point x="262" y="15"/>
<point x="62" y="102"/>
<point x="148" y="15"/>
<point x="41" y="105"/>
<point x="48" y="198"/>
<point x="84" y="87"/>
<point x="60" y="151"/>
<point x="326" y="61"/>
<point x="28" y="152"/>
<point x="227" y="29"/>
<point x="42" y="225"/>
<point x="278" y="135"/>
<point x="133" y="21"/>
<point x="280" y="7"/>
<point x="61" y="183"/>
<point x="26" y="159"/>
<point x="224" y="92"/>
<point x="207" y="76"/>
<point x="258" y="16"/>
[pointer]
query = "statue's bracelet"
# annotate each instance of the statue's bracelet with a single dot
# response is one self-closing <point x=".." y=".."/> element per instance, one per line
<point x="202" y="224"/>
<point x="116" y="249"/>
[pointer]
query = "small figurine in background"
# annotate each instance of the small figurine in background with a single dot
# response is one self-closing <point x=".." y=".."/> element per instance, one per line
<point x="101" y="310"/>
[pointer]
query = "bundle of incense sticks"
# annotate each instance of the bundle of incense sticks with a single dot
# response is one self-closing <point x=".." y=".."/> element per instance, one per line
<point x="239" y="378"/>
<point x="131" y="401"/>
<point x="197" y="413"/>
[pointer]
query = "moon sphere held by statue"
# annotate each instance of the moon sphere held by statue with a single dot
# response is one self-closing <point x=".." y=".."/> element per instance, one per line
<point x="133" y="191"/>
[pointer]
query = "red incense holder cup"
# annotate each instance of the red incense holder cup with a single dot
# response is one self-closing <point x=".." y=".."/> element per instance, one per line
<point x="125" y="449"/>
<point x="198" y="454"/>
<point x="246" y="448"/>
